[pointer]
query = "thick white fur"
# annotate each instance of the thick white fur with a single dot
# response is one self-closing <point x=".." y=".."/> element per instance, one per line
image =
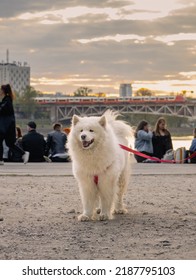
<point x="103" y="158"/>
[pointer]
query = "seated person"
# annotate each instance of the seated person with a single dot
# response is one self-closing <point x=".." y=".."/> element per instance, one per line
<point x="193" y="144"/>
<point x="56" y="145"/>
<point x="192" y="148"/>
<point x="34" y="143"/>
<point x="143" y="141"/>
<point x="161" y="139"/>
<point x="15" y="156"/>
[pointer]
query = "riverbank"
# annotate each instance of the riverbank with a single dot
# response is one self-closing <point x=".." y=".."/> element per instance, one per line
<point x="40" y="203"/>
<point x="174" y="123"/>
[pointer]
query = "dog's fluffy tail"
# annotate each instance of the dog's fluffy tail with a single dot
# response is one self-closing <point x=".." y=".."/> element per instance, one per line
<point x="111" y="115"/>
<point x="121" y="128"/>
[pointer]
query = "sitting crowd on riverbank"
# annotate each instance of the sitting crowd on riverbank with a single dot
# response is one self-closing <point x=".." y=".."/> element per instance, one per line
<point x="33" y="147"/>
<point x="51" y="149"/>
<point x="157" y="144"/>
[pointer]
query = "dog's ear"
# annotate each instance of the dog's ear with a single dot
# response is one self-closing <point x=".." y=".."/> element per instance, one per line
<point x="75" y="119"/>
<point x="102" y="121"/>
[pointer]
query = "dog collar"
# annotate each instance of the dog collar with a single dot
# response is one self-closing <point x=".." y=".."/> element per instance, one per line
<point x="96" y="179"/>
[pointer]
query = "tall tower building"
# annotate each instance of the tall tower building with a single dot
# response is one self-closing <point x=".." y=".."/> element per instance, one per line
<point x="16" y="74"/>
<point x="125" y="90"/>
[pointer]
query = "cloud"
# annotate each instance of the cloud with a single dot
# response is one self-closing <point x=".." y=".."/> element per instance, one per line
<point x="96" y="38"/>
<point x="117" y="38"/>
<point x="191" y="74"/>
<point x="170" y="39"/>
<point x="12" y="8"/>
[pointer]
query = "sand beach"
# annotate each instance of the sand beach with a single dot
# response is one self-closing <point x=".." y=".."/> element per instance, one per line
<point x="40" y="203"/>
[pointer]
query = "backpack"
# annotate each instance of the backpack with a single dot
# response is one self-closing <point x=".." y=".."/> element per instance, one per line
<point x="180" y="155"/>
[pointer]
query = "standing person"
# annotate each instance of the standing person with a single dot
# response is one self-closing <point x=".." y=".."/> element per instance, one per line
<point x="34" y="143"/>
<point x="143" y="140"/>
<point x="5" y="152"/>
<point x="56" y="144"/>
<point x="161" y="139"/>
<point x="7" y="124"/>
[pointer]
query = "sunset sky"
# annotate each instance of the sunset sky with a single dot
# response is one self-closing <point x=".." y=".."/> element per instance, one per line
<point x="100" y="44"/>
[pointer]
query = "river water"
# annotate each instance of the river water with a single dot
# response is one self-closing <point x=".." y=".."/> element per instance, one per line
<point x="177" y="143"/>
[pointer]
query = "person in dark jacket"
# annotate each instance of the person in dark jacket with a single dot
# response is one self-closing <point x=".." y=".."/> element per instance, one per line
<point x="15" y="156"/>
<point x="56" y="144"/>
<point x="7" y="124"/>
<point x="161" y="139"/>
<point x="34" y="143"/>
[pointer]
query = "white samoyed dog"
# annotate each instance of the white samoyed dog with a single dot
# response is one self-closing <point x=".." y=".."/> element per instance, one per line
<point x="100" y="166"/>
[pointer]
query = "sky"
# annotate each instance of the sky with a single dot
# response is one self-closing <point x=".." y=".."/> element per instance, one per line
<point x="101" y="44"/>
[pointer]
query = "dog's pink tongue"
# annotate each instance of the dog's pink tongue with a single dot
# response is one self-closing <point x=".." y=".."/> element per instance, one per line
<point x="85" y="143"/>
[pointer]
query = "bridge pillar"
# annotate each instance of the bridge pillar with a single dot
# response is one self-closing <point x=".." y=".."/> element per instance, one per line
<point x="53" y="115"/>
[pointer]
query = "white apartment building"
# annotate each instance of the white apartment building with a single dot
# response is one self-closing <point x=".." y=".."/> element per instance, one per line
<point x="17" y="75"/>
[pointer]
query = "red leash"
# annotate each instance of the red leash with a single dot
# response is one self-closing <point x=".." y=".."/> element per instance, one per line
<point x="153" y="158"/>
<point x="96" y="178"/>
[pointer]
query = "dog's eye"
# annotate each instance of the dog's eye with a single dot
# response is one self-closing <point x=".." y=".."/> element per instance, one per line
<point x="81" y="130"/>
<point x="91" y="130"/>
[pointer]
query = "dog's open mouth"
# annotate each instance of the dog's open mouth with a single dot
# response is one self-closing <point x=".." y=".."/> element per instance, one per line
<point x="86" y="144"/>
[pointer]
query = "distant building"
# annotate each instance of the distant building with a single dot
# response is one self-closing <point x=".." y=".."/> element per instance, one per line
<point x="125" y="90"/>
<point x="16" y="74"/>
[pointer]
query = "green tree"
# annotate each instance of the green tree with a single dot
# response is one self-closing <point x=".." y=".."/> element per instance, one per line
<point x="82" y="91"/>
<point x="143" y="92"/>
<point x="26" y="102"/>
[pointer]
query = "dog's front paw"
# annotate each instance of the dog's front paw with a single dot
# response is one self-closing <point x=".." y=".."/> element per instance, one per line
<point x="103" y="217"/>
<point x="120" y="211"/>
<point x="83" y="218"/>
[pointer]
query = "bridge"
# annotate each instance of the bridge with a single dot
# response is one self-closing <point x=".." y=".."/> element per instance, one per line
<point x="63" y="112"/>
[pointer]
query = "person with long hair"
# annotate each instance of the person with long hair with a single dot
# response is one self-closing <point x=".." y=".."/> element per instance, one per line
<point x="143" y="140"/>
<point x="161" y="139"/>
<point x="7" y="123"/>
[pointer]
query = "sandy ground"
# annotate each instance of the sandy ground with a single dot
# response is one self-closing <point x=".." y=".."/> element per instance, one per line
<point x="40" y="217"/>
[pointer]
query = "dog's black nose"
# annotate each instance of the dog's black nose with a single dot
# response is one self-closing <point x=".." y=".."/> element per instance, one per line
<point x="83" y="136"/>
